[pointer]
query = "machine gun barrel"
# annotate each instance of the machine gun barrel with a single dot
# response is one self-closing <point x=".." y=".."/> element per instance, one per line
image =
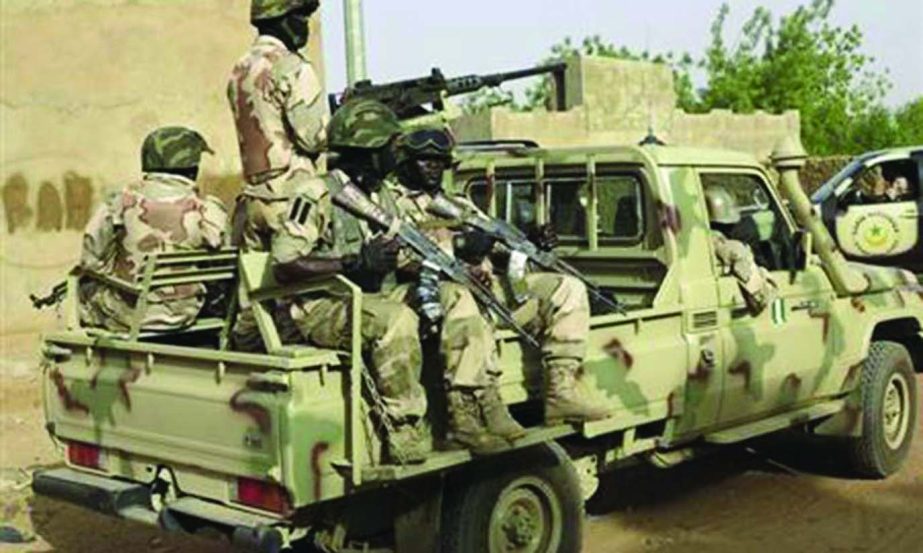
<point x="515" y="239"/>
<point x="409" y="98"/>
<point x="57" y="294"/>
<point x="353" y="200"/>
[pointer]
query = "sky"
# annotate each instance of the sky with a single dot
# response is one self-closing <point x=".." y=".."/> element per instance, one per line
<point x="406" y="38"/>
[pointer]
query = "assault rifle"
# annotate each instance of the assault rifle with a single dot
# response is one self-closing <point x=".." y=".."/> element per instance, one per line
<point x="352" y="199"/>
<point x="56" y="296"/>
<point x="408" y="98"/>
<point x="516" y="240"/>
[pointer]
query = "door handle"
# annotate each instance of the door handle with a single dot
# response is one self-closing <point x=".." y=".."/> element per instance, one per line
<point x="806" y="305"/>
<point x="910" y="215"/>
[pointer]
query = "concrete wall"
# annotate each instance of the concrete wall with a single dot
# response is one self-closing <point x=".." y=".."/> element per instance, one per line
<point x="615" y="102"/>
<point x="83" y="82"/>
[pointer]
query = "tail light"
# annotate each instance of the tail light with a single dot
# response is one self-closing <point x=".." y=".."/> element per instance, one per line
<point x="85" y="455"/>
<point x="263" y="495"/>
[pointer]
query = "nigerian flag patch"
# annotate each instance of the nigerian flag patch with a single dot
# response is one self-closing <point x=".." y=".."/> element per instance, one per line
<point x="777" y="309"/>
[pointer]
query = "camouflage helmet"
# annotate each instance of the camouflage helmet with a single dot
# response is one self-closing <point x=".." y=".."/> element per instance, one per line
<point x="261" y="10"/>
<point x="435" y="142"/>
<point x="365" y="124"/>
<point x="173" y="148"/>
<point x="722" y="208"/>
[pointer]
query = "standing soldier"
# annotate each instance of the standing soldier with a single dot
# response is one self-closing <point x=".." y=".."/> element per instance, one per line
<point x="278" y="104"/>
<point x="161" y="213"/>
<point x="558" y="308"/>
<point x="279" y="113"/>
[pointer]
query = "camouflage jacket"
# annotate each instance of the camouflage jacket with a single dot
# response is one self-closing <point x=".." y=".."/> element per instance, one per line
<point x="279" y="112"/>
<point x="161" y="213"/>
<point x="736" y="259"/>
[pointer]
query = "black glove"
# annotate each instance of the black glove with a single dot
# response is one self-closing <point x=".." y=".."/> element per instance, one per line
<point x="473" y="246"/>
<point x="378" y="256"/>
<point x="544" y="236"/>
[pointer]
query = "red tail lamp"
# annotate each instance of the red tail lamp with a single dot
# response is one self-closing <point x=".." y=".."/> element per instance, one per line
<point x="263" y="495"/>
<point x="85" y="455"/>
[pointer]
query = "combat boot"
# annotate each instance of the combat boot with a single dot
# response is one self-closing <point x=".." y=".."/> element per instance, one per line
<point x="564" y="402"/>
<point x="408" y="443"/>
<point x="497" y="416"/>
<point x="466" y="425"/>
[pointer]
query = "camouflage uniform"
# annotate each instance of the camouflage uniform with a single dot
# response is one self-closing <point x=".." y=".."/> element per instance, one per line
<point x="280" y="115"/>
<point x="736" y="259"/>
<point x="309" y="224"/>
<point x="558" y="310"/>
<point x="160" y="213"/>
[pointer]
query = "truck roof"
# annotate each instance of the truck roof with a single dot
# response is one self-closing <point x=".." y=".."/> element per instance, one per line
<point x="660" y="155"/>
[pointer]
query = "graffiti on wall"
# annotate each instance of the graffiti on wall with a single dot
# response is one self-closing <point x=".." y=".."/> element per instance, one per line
<point x="55" y="207"/>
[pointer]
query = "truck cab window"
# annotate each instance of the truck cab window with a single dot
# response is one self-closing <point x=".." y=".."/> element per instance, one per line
<point x="761" y="226"/>
<point x="884" y="183"/>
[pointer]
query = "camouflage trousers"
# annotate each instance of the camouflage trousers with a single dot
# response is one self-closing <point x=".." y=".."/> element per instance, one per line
<point x="104" y="307"/>
<point x="558" y="313"/>
<point x="466" y="338"/>
<point x="390" y="340"/>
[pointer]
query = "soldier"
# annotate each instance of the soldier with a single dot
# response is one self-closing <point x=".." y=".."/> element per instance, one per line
<point x="277" y="103"/>
<point x="736" y="258"/>
<point x="277" y="100"/>
<point x="160" y="213"/>
<point x="557" y="307"/>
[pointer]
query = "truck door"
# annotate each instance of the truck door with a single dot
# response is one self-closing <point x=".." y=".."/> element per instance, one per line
<point x="879" y="213"/>
<point x="769" y="357"/>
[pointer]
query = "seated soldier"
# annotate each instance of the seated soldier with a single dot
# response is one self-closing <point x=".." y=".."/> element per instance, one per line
<point x="557" y="306"/>
<point x="736" y="258"/>
<point x="162" y="212"/>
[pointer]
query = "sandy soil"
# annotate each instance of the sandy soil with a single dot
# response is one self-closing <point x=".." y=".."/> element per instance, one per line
<point x="783" y="494"/>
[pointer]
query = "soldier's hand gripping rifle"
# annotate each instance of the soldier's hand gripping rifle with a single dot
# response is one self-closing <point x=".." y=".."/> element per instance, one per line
<point x="516" y="240"/>
<point x="353" y="200"/>
<point x="408" y="98"/>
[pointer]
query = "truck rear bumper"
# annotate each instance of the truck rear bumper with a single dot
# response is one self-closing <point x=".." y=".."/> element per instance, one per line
<point x="132" y="501"/>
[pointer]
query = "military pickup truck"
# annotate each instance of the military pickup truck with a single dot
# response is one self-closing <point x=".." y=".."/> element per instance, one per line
<point x="278" y="449"/>
<point x="874" y="208"/>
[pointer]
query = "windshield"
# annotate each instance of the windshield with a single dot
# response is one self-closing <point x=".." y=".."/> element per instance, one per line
<point x="831" y="185"/>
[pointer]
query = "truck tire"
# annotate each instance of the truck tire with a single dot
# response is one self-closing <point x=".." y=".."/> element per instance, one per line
<point x="889" y="411"/>
<point x="529" y="502"/>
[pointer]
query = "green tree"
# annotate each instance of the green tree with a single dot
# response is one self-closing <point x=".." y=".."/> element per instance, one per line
<point x="909" y="123"/>
<point x="800" y="61"/>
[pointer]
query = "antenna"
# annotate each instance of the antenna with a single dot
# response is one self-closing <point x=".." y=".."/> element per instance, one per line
<point x="355" y="42"/>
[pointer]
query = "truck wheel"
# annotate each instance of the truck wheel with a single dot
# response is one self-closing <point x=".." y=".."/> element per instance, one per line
<point x="528" y="503"/>
<point x="889" y="411"/>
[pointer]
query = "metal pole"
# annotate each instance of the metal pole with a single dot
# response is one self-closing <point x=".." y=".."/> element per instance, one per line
<point x="355" y="41"/>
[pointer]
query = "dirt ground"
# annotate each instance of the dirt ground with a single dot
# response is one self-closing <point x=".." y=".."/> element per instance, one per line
<point x="783" y="494"/>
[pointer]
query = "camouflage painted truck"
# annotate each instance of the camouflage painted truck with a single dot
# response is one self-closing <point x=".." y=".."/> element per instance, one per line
<point x="270" y="450"/>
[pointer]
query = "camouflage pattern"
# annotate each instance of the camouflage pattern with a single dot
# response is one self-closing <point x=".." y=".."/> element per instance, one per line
<point x="261" y="10"/>
<point x="685" y="365"/>
<point x="736" y="259"/>
<point x="280" y="116"/>
<point x="173" y="148"/>
<point x="558" y="311"/>
<point x="365" y="124"/>
<point x="161" y="213"/>
<point x="308" y="224"/>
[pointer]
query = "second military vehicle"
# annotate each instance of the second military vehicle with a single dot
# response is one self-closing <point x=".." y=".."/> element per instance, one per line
<point x="279" y="448"/>
<point x="874" y="208"/>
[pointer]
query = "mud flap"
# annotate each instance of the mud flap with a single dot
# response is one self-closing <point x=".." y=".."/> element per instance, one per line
<point x="416" y="527"/>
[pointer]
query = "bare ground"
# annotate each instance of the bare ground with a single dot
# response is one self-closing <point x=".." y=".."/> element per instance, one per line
<point x="782" y="494"/>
